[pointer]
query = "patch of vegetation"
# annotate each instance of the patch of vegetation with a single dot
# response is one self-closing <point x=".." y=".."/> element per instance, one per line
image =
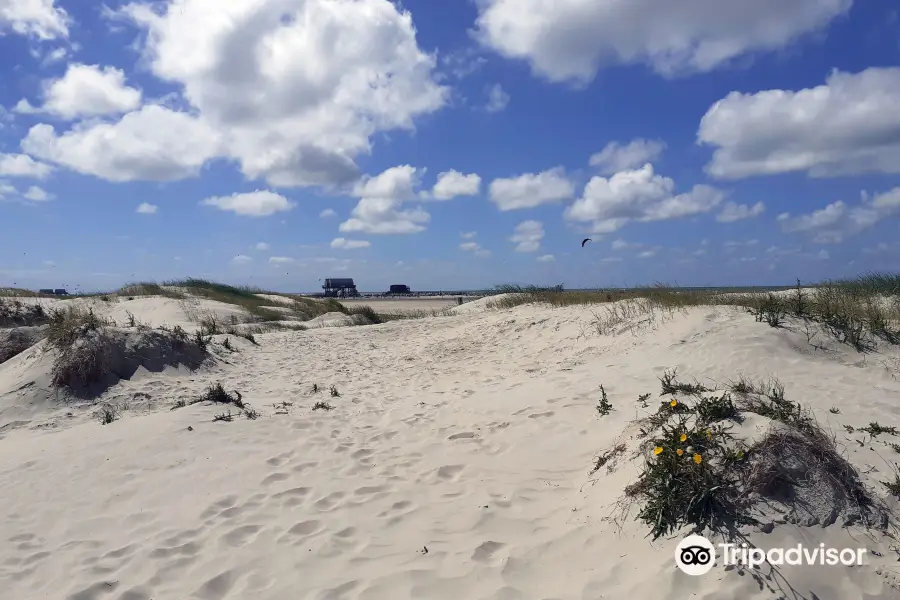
<point x="322" y="406"/>
<point x="216" y="394"/>
<point x="315" y="388"/>
<point x="365" y="311"/>
<point x="334" y="392"/>
<point x="643" y="400"/>
<point x="603" y="406"/>
<point x="698" y="474"/>
<point x="671" y="386"/>
<point x="717" y="408"/>
<point x="605" y="458"/>
<point x="227" y="417"/>
<point x="15" y="313"/>
<point x="874" y="429"/>
<point x="108" y="413"/>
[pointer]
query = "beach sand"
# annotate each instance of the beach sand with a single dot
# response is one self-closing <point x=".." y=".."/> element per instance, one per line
<point x="455" y="464"/>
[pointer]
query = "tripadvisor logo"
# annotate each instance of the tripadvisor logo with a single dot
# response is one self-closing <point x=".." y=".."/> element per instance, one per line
<point x="696" y="555"/>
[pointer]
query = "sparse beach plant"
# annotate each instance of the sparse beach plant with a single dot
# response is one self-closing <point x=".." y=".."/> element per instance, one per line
<point x="322" y="406"/>
<point x="603" y="406"/>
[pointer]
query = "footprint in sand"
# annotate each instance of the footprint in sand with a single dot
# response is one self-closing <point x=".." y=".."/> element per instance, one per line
<point x="241" y="536"/>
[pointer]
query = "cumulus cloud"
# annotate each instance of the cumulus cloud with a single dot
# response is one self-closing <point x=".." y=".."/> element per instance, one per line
<point x="22" y="165"/>
<point x="296" y="90"/>
<point x="531" y="189"/>
<point x="475" y="248"/>
<point x="528" y="236"/>
<point x="262" y="246"/>
<point x="345" y="244"/>
<point x="151" y="144"/>
<point x="638" y="195"/>
<point x="849" y="125"/>
<point x="261" y="203"/>
<point x="327" y="213"/>
<point x="468" y="235"/>
<point x="732" y="212"/>
<point x="497" y="99"/>
<point x="838" y="220"/>
<point x="384" y="216"/>
<point x="146" y="208"/>
<point x="37" y="194"/>
<point x="451" y="184"/>
<point x="380" y="208"/>
<point x="281" y="260"/>
<point x="86" y="91"/>
<point x="242" y="259"/>
<point x="578" y="37"/>
<point x="616" y="157"/>
<point x="39" y="18"/>
<point x="546" y="258"/>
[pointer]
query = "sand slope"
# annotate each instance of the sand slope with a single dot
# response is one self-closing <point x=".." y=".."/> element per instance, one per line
<point x="471" y="436"/>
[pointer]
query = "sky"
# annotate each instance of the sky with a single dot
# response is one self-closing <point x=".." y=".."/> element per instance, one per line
<point x="448" y="144"/>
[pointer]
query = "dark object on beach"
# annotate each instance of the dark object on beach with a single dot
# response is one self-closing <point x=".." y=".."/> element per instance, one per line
<point x="399" y="289"/>
<point x="585" y="241"/>
<point x="340" y="288"/>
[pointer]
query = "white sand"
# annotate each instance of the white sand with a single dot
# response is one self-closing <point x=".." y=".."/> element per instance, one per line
<point x="470" y="435"/>
<point x="152" y="310"/>
<point x="404" y="305"/>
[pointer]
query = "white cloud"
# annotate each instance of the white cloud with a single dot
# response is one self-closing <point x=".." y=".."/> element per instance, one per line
<point x="546" y="258"/>
<point x="823" y="254"/>
<point x="838" y="220"/>
<point x="615" y="157"/>
<point x="640" y="195"/>
<point x="152" y="144"/>
<point x="849" y="125"/>
<point x="36" y="194"/>
<point x="261" y="203"/>
<point x="576" y="38"/>
<point x="622" y="244"/>
<point x="397" y="183"/>
<point x="242" y="259"/>
<point x="380" y="208"/>
<point x="647" y="254"/>
<point x="262" y="246"/>
<point x="86" y="91"/>
<point x="732" y="212"/>
<point x="49" y="263"/>
<point x="298" y="89"/>
<point x="345" y="244"/>
<point x="145" y="208"/>
<point x="328" y="213"/>
<point x="22" y="165"/>
<point x="475" y="248"/>
<point x="384" y="216"/>
<point x="38" y="18"/>
<point x="528" y="236"/>
<point x="497" y="99"/>
<point x="531" y="189"/>
<point x="468" y="235"/>
<point x="281" y="260"/>
<point x="451" y="184"/>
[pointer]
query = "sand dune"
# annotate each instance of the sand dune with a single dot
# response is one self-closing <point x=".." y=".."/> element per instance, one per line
<point x="455" y="464"/>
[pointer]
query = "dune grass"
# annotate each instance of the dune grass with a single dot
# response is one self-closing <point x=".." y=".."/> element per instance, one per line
<point x="859" y="312"/>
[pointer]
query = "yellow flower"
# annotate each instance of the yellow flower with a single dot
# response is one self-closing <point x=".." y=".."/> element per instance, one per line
<point x="709" y="433"/>
<point x="657" y="450"/>
<point x="673" y="403"/>
<point x="740" y="454"/>
<point x="698" y="459"/>
<point x="679" y="452"/>
<point x="683" y="437"/>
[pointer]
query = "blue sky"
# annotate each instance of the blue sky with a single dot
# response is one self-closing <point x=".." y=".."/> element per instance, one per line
<point x="448" y="144"/>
